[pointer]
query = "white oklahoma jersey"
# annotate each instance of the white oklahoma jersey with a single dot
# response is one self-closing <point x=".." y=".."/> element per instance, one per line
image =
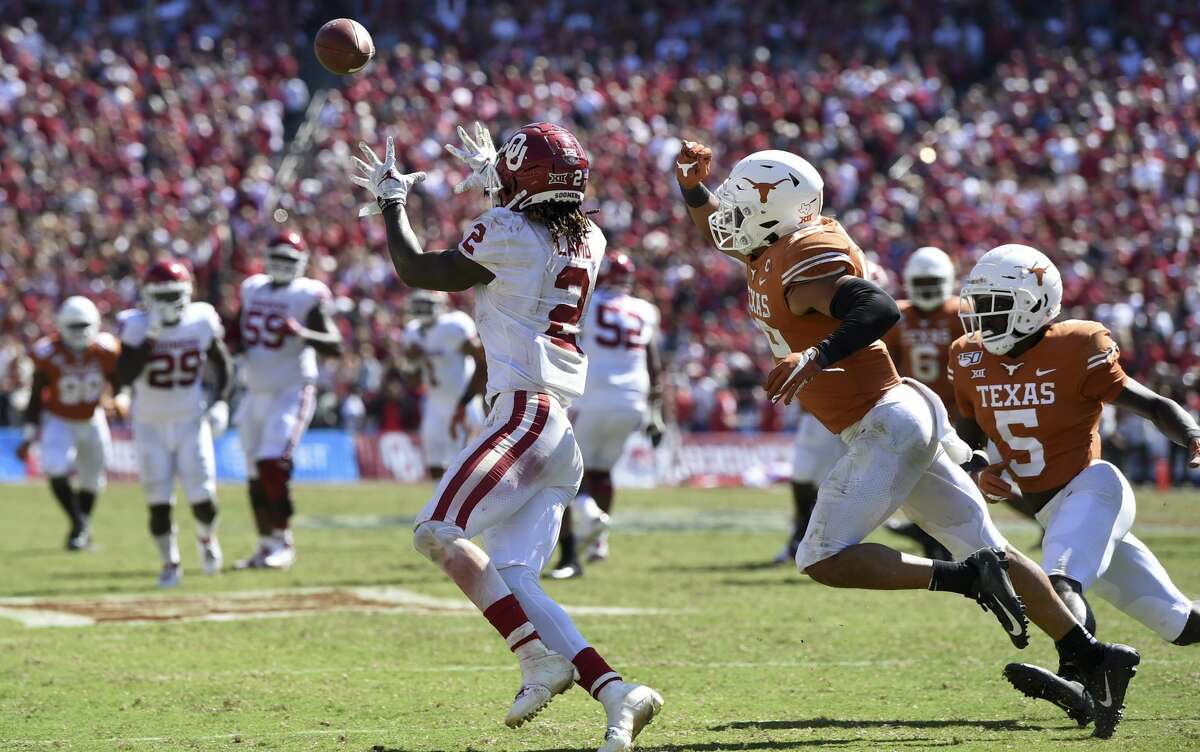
<point x="274" y="359"/>
<point x="446" y="371"/>
<point x="170" y="433"/>
<point x="511" y="482"/>
<point x="280" y="369"/>
<point x="616" y="332"/>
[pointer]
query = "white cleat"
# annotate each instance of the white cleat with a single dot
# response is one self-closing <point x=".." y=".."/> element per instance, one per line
<point x="629" y="708"/>
<point x="282" y="556"/>
<point x="542" y="678"/>
<point x="598" y="551"/>
<point x="255" y="560"/>
<point x="591" y="522"/>
<point x="210" y="554"/>
<point x="171" y="576"/>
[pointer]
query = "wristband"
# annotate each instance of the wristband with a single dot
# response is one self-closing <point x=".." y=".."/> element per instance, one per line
<point x="979" y="460"/>
<point x="697" y="196"/>
<point x="1193" y="434"/>
<point x="384" y="203"/>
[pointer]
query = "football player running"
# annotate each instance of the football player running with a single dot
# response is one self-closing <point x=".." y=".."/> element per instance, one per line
<point x="447" y="347"/>
<point x="70" y="370"/>
<point x="1035" y="386"/>
<point x="919" y="344"/>
<point x="623" y="395"/>
<point x="808" y="294"/>
<point x="532" y="261"/>
<point x="166" y="344"/>
<point x="286" y="320"/>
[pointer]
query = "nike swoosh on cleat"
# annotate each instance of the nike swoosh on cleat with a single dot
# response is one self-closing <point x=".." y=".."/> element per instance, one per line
<point x="1015" y="628"/>
<point x="1107" y="701"/>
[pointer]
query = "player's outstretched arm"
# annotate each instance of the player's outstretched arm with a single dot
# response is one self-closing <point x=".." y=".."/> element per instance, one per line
<point x="657" y="424"/>
<point x="691" y="169"/>
<point x="449" y="271"/>
<point x="1166" y="414"/>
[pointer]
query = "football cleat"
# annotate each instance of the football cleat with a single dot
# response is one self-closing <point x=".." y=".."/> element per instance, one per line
<point x="1107" y="683"/>
<point x="171" y="576"/>
<point x="598" y="551"/>
<point x="1040" y="684"/>
<point x="254" y="560"/>
<point x="565" y="571"/>
<point x="590" y="525"/>
<point x="281" y="556"/>
<point x="79" y="540"/>
<point x="210" y="554"/>
<point x="542" y="678"/>
<point x="629" y="707"/>
<point x="994" y="592"/>
<point x="787" y="554"/>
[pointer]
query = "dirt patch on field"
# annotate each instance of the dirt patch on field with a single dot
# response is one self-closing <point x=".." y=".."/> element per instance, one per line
<point x="220" y="606"/>
<point x="248" y="604"/>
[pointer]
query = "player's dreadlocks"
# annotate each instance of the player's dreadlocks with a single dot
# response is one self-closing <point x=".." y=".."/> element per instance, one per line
<point x="564" y="219"/>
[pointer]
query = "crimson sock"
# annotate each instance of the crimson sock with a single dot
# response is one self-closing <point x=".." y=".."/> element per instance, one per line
<point x="594" y="671"/>
<point x="509" y="619"/>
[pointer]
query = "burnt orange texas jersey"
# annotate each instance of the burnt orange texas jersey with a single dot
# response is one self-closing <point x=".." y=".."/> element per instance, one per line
<point x="75" y="380"/>
<point x="842" y="395"/>
<point x="1043" y="408"/>
<point x="920" y="345"/>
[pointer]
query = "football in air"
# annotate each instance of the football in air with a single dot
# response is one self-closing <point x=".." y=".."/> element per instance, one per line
<point x="344" y="46"/>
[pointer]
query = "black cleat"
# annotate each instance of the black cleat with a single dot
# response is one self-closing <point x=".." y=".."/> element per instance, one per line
<point x="994" y="592"/>
<point x="1107" y="683"/>
<point x="1040" y="684"/>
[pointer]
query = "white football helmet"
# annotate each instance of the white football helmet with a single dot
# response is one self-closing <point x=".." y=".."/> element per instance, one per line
<point x="78" y="322"/>
<point x="1011" y="293"/>
<point x="769" y="194"/>
<point x="427" y="305"/>
<point x="287" y="257"/>
<point x="929" y="278"/>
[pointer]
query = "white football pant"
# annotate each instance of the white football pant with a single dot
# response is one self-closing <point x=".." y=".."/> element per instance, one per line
<point x="83" y="444"/>
<point x="177" y="449"/>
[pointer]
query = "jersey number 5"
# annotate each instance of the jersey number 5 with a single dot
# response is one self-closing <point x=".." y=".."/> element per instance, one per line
<point x="1027" y="418"/>
<point x="563" y="316"/>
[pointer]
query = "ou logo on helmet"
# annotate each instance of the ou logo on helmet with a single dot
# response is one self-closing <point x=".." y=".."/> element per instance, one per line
<point x="514" y="152"/>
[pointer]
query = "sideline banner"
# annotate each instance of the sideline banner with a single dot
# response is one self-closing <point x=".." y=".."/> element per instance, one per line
<point x="324" y="455"/>
<point x="334" y="456"/>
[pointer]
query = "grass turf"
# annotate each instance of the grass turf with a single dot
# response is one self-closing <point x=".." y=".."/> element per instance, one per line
<point x="748" y="657"/>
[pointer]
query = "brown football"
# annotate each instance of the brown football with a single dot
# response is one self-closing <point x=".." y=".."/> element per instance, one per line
<point x="343" y="46"/>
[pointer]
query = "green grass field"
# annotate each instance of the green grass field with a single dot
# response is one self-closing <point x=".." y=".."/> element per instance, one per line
<point x="747" y="657"/>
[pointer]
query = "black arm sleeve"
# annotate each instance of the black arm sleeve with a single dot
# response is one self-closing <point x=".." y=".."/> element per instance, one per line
<point x="866" y="313"/>
<point x="131" y="361"/>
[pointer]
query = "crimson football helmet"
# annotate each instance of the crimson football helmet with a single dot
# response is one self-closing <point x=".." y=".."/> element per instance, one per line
<point x="287" y="257"/>
<point x="167" y="287"/>
<point x="541" y="162"/>
<point x="616" y="269"/>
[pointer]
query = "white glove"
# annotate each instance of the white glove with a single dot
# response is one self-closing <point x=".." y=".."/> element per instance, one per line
<point x="382" y="178"/>
<point x="480" y="155"/>
<point x="218" y="417"/>
<point x="154" y="321"/>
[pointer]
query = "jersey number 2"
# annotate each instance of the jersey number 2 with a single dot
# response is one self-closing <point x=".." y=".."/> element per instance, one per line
<point x="563" y="316"/>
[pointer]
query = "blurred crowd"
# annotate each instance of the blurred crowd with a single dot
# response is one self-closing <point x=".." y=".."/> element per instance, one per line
<point x="129" y="131"/>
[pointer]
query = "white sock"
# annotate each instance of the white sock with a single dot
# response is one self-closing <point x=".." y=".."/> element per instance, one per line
<point x="205" y="532"/>
<point x="168" y="546"/>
